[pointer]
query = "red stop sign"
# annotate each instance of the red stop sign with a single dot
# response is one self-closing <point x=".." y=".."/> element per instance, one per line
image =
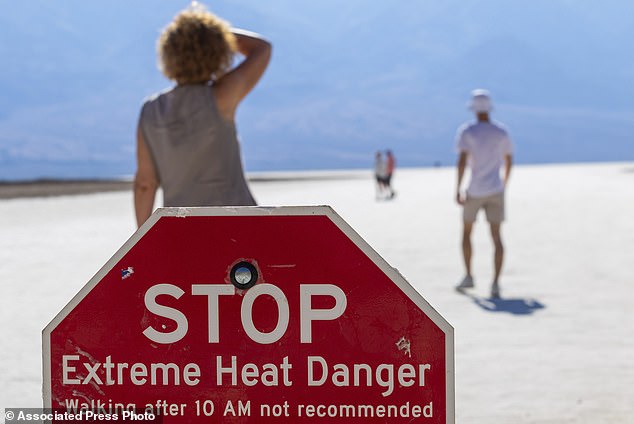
<point x="250" y="315"/>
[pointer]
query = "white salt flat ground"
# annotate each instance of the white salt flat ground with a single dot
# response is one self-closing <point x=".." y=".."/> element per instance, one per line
<point x="558" y="348"/>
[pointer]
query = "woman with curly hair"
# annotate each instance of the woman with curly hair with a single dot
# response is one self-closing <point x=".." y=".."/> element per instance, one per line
<point x="187" y="141"/>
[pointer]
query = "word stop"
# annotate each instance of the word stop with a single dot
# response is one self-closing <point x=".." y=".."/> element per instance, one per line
<point x="213" y="293"/>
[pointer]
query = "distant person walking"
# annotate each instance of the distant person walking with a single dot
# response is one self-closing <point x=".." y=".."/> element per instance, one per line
<point x="186" y="138"/>
<point x="391" y="166"/>
<point x="380" y="174"/>
<point x="485" y="147"/>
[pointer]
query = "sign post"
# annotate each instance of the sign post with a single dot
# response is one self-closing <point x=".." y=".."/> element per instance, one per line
<point x="250" y="315"/>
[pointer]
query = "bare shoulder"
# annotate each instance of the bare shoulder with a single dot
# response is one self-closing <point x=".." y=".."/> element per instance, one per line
<point x="233" y="87"/>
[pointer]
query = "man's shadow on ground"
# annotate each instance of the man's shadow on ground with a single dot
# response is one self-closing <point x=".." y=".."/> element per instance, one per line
<point x="509" y="305"/>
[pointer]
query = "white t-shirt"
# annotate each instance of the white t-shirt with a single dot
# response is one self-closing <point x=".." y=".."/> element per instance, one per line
<point x="486" y="144"/>
<point x="380" y="167"/>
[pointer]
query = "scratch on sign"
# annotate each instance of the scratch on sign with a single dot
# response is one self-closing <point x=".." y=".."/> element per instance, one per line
<point x="404" y="345"/>
<point x="125" y="273"/>
<point x="182" y="212"/>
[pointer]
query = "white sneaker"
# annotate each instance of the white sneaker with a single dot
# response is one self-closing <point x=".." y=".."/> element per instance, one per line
<point x="467" y="283"/>
<point x="495" y="291"/>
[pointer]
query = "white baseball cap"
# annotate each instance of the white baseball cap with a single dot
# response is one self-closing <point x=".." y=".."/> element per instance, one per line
<point x="480" y="101"/>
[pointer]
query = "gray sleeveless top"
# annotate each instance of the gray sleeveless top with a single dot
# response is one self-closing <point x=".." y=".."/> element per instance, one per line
<point x="195" y="150"/>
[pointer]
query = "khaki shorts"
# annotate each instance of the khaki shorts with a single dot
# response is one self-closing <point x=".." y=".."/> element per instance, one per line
<point x="493" y="206"/>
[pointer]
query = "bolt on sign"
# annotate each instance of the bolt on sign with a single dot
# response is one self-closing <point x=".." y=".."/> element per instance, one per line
<point x="250" y="315"/>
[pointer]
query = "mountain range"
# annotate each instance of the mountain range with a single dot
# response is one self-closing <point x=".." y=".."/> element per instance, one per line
<point x="346" y="79"/>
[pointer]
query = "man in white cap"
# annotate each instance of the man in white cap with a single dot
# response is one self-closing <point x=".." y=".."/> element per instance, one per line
<point x="485" y="147"/>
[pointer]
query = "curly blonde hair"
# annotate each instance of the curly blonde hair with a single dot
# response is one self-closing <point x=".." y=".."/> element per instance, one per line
<point x="196" y="47"/>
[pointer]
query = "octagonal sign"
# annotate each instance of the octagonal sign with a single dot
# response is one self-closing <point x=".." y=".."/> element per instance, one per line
<point x="250" y="315"/>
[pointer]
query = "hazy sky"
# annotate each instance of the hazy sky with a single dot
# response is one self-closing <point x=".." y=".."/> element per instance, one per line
<point x="346" y="79"/>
